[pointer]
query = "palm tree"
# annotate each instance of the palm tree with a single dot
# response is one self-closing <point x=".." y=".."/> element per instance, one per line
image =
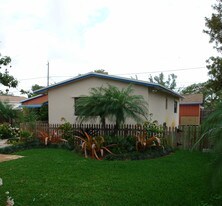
<point x="212" y="129"/>
<point x="7" y="112"/>
<point x="112" y="103"/>
<point x="91" y="107"/>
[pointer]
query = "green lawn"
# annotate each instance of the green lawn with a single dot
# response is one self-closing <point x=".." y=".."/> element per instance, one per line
<point x="60" y="177"/>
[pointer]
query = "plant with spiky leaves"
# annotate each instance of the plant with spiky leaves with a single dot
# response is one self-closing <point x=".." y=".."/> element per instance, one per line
<point x="92" y="146"/>
<point x="212" y="129"/>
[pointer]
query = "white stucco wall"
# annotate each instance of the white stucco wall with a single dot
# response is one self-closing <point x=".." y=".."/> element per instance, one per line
<point x="161" y="113"/>
<point x="61" y="101"/>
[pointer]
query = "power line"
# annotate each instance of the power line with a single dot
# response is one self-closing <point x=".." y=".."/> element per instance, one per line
<point x="171" y="70"/>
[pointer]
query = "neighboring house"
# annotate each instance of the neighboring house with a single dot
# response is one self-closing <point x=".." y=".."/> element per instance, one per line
<point x="190" y="109"/>
<point x="14" y="101"/>
<point x="35" y="102"/>
<point x="163" y="103"/>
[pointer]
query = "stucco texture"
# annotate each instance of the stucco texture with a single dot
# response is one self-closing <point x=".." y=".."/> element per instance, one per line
<point x="61" y="100"/>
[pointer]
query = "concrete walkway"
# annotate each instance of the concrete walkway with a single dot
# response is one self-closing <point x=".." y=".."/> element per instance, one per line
<point x="6" y="157"/>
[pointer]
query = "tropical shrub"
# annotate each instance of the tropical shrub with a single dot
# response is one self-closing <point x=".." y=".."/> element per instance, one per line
<point x="152" y="128"/>
<point x="7" y="131"/>
<point x="142" y="142"/>
<point x="92" y="146"/>
<point x="66" y="129"/>
<point x="123" y="144"/>
<point x="150" y="153"/>
<point x="26" y="136"/>
<point x="50" y="138"/>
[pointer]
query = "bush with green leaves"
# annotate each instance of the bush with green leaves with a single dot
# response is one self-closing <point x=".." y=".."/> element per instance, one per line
<point x="124" y="144"/>
<point x="7" y="131"/>
<point x="150" y="153"/>
<point x="66" y="128"/>
<point x="26" y="136"/>
<point x="153" y="128"/>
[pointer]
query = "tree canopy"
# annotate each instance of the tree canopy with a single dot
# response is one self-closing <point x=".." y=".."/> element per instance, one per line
<point x="30" y="93"/>
<point x="214" y="64"/>
<point x="101" y="71"/>
<point x="6" y="79"/>
<point x="170" y="82"/>
<point x="210" y="98"/>
<point x="112" y="103"/>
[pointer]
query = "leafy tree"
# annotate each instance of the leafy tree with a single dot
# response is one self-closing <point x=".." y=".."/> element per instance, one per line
<point x="214" y="64"/>
<point x="101" y="71"/>
<point x="6" y="79"/>
<point x="214" y="25"/>
<point x="169" y="83"/>
<point x="210" y="98"/>
<point x="112" y="103"/>
<point x="30" y="93"/>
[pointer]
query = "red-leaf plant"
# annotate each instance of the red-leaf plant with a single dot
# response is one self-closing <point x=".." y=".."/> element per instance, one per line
<point x="92" y="146"/>
<point x="142" y="142"/>
<point x="52" y="137"/>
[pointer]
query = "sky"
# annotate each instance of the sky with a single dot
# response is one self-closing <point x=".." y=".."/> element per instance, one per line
<point x="129" y="38"/>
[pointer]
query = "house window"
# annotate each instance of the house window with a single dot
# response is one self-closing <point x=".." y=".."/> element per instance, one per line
<point x="166" y="103"/>
<point x="76" y="113"/>
<point x="175" y="106"/>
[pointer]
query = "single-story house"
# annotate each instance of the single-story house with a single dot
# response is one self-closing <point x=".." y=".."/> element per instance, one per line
<point x="190" y="109"/>
<point x="35" y="102"/>
<point x="163" y="103"/>
<point x="14" y="101"/>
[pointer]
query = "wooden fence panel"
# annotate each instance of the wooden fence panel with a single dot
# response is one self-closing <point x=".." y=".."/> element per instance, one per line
<point x="183" y="137"/>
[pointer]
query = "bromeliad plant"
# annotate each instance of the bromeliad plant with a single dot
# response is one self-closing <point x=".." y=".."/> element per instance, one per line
<point x="92" y="146"/>
<point x="53" y="137"/>
<point x="149" y="138"/>
<point x="142" y="142"/>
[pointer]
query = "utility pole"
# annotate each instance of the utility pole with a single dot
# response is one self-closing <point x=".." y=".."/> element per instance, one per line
<point x="48" y="74"/>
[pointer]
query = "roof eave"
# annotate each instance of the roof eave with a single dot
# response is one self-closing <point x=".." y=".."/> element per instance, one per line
<point x="92" y="74"/>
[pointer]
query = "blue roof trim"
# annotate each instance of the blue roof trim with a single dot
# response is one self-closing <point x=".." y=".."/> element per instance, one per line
<point x="112" y="77"/>
<point x="31" y="106"/>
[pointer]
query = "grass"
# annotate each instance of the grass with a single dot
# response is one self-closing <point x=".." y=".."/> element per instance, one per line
<point x="60" y="177"/>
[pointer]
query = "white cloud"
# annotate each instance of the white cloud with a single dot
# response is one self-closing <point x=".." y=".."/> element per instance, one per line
<point x="119" y="36"/>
